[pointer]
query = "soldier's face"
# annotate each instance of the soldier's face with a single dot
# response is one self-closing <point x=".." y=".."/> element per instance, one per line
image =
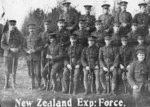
<point x="124" y="43"/>
<point x="107" y="42"/>
<point x="11" y="27"/>
<point x="51" y="40"/>
<point x="87" y="10"/>
<point x="66" y="8"/>
<point x="105" y="11"/>
<point x="81" y="25"/>
<point x="134" y="28"/>
<point x="98" y="26"/>
<point x="46" y="26"/>
<point x="142" y="9"/>
<point x="91" y="43"/>
<point x="31" y="30"/>
<point x="116" y="28"/>
<point x="123" y="7"/>
<point x="60" y="25"/>
<point x="73" y="41"/>
<point x="141" y="56"/>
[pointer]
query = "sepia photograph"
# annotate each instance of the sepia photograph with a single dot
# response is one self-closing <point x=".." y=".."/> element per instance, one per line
<point x="74" y="53"/>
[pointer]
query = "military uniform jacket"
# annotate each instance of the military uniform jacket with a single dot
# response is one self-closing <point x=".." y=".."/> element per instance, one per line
<point x="90" y="56"/>
<point x="147" y="39"/>
<point x="116" y="40"/>
<point x="108" y="56"/>
<point x="73" y="52"/>
<point x="71" y="19"/>
<point x="31" y="42"/>
<point x="63" y="37"/>
<point x="124" y="17"/>
<point x="9" y="40"/>
<point x="107" y="21"/>
<point x="82" y="36"/>
<point x="138" y="74"/>
<point x="90" y="21"/>
<point x="132" y="38"/>
<point x="125" y="55"/>
<point x="56" y="51"/>
<point x="143" y="20"/>
<point x="100" y="37"/>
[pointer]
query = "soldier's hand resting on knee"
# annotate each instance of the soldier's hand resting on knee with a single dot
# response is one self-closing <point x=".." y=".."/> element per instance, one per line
<point x="105" y="69"/>
<point x="112" y="68"/>
<point x="48" y="56"/>
<point x="77" y="66"/>
<point x="96" y="67"/>
<point x="69" y="67"/>
<point x="135" y="87"/>
<point x="121" y="66"/>
<point x="87" y="68"/>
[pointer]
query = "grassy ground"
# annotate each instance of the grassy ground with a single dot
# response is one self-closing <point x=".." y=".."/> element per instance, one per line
<point x="9" y="96"/>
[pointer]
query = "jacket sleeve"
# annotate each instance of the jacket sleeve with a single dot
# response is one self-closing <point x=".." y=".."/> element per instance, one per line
<point x="116" y="60"/>
<point x="60" y="55"/>
<point x="21" y="38"/>
<point x="4" y="44"/>
<point x="101" y="59"/>
<point x="66" y="61"/>
<point x="25" y="45"/>
<point x="83" y="58"/>
<point x="130" y="75"/>
<point x="39" y="45"/>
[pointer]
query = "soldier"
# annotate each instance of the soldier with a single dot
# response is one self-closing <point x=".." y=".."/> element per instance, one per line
<point x="125" y="59"/>
<point x="62" y="35"/>
<point x="44" y="37"/>
<point x="11" y="42"/>
<point x="138" y="76"/>
<point x="141" y="44"/>
<point x="108" y="59"/>
<point x="71" y="18"/>
<point x="116" y="37"/>
<point x="147" y="37"/>
<point x="99" y="33"/>
<point x="124" y="17"/>
<point x="142" y="19"/>
<point x="72" y="65"/>
<point x="107" y="19"/>
<point x="33" y="48"/>
<point x="133" y="35"/>
<point x="55" y="55"/>
<point x="90" y="19"/>
<point x="82" y="33"/>
<point x="90" y="63"/>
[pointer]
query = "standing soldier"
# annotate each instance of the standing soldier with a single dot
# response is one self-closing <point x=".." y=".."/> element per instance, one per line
<point x="125" y="59"/>
<point x="116" y="37"/>
<point x="90" y="63"/>
<point x="73" y="67"/>
<point x="11" y="42"/>
<point x="107" y="19"/>
<point x="138" y="76"/>
<point x="108" y="59"/>
<point x="133" y="35"/>
<point x="70" y="17"/>
<point x="62" y="35"/>
<point x="55" y="55"/>
<point x="142" y="19"/>
<point x="90" y="19"/>
<point x="82" y="33"/>
<point x="44" y="37"/>
<point x="124" y="17"/>
<point x="32" y="48"/>
<point x="99" y="33"/>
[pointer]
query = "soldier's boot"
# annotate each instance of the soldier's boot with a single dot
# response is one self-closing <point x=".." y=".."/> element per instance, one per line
<point x="6" y="81"/>
<point x="75" y="88"/>
<point x="86" y="88"/>
<point x="104" y="92"/>
<point x="44" y="83"/>
<point x="32" y="83"/>
<point x="54" y="85"/>
<point x="113" y="89"/>
<point x="98" y="92"/>
<point x="13" y="81"/>
<point x="97" y="87"/>
<point x="65" y="86"/>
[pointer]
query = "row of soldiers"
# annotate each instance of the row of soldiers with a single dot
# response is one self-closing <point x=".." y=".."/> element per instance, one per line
<point x="93" y="51"/>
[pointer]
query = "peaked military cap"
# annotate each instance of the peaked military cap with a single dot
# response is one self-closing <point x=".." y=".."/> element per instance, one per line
<point x="91" y="38"/>
<point x="88" y="7"/>
<point x="123" y="3"/>
<point x="140" y="37"/>
<point x="105" y="6"/>
<point x="142" y="4"/>
<point x="134" y="24"/>
<point x="73" y="36"/>
<point x="107" y="36"/>
<point x="98" y="21"/>
<point x="47" y="21"/>
<point x="61" y="20"/>
<point x="52" y="35"/>
<point x="124" y="38"/>
<point x="12" y="22"/>
<point x="117" y="24"/>
<point x="66" y="3"/>
<point x="141" y="50"/>
<point x="31" y="25"/>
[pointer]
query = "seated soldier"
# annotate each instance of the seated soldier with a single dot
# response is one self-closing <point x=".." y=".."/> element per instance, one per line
<point x="55" y="55"/>
<point x="138" y="76"/>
